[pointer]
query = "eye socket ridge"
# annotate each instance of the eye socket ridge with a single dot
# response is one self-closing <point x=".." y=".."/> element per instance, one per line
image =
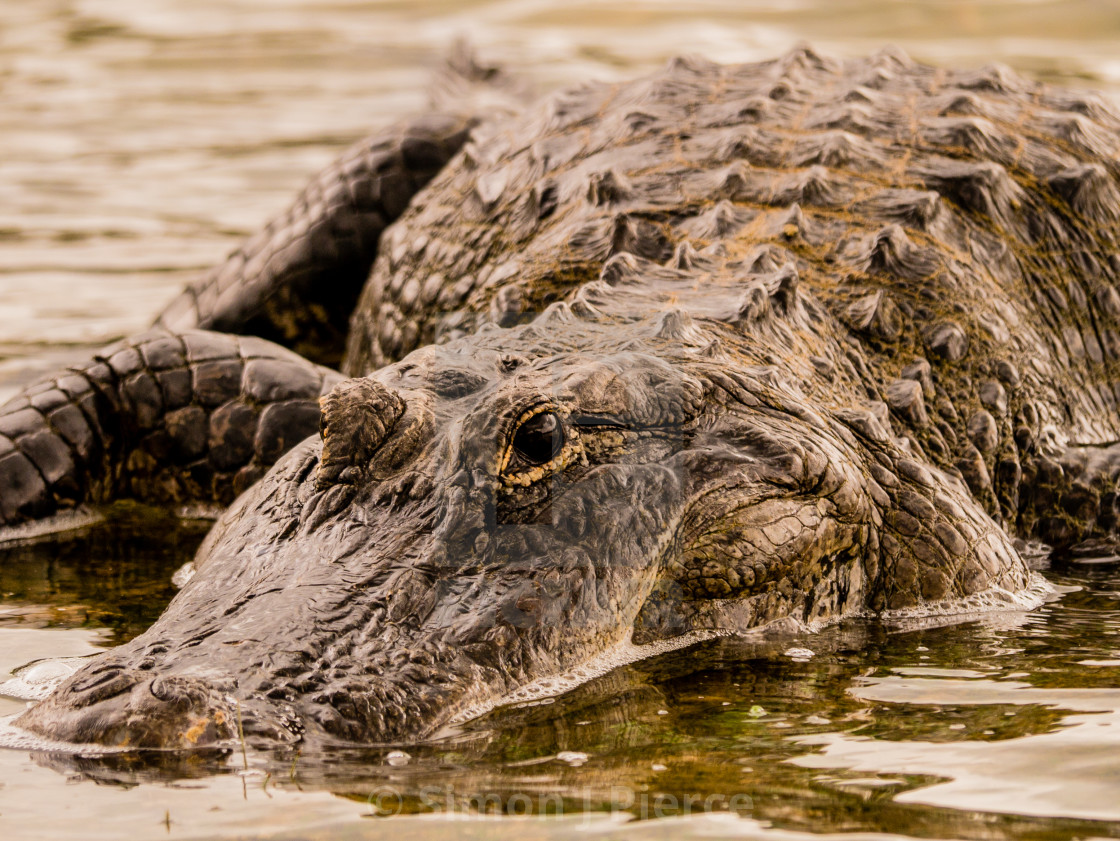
<point x="597" y="422"/>
<point x="539" y="438"/>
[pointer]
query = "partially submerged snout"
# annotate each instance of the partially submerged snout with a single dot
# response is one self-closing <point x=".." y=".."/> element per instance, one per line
<point x="113" y="705"/>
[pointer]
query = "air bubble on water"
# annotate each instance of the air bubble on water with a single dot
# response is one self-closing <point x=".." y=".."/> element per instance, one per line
<point x="16" y="738"/>
<point x="994" y="600"/>
<point x="75" y="519"/>
<point x="536" y="702"/>
<point x="574" y="758"/>
<point x="662" y="712"/>
<point x="657" y="766"/>
<point x="397" y="758"/>
<point x="756" y="711"/>
<point x="816" y="719"/>
<point x="183" y="575"/>
<point x="800" y="655"/>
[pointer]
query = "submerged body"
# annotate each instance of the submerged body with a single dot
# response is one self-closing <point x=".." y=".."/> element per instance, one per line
<point x="728" y="345"/>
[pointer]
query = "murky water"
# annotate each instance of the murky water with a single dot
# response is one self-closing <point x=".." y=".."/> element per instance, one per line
<point x="140" y="139"/>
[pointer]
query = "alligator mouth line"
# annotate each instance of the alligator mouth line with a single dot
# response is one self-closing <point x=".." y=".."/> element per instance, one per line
<point x="13" y="737"/>
<point x="546" y="690"/>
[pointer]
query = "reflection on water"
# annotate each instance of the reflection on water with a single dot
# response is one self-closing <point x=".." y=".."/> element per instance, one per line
<point x="116" y="577"/>
<point x="140" y="139"/>
<point x="1006" y="775"/>
<point x="1004" y="727"/>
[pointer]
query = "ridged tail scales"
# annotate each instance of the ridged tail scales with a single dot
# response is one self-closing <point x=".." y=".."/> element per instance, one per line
<point x="297" y="280"/>
<point x="163" y="418"/>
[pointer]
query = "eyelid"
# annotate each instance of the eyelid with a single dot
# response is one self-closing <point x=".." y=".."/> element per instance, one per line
<point x="598" y="421"/>
<point x="535" y="409"/>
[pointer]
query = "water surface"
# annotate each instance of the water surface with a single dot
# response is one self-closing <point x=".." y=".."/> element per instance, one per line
<point x="141" y="139"/>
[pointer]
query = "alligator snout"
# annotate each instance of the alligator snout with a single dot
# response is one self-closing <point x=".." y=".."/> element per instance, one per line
<point x="122" y="707"/>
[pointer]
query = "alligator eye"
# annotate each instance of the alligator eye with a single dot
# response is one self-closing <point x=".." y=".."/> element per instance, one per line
<point x="540" y="438"/>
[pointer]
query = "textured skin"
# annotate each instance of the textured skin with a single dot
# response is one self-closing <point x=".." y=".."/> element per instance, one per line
<point x="954" y="232"/>
<point x="194" y="418"/>
<point x="413" y="565"/>
<point x="296" y="282"/>
<point x="723" y="346"/>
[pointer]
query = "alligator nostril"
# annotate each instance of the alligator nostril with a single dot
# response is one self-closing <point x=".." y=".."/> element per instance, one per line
<point x="99" y="684"/>
<point x="163" y="690"/>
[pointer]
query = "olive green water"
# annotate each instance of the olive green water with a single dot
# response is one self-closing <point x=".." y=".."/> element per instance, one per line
<point x="140" y="139"/>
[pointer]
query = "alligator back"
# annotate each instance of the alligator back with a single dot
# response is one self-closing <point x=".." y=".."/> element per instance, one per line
<point x="949" y="239"/>
<point x="942" y="243"/>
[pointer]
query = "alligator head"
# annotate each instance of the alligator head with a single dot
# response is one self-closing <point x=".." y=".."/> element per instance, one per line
<point x="507" y="507"/>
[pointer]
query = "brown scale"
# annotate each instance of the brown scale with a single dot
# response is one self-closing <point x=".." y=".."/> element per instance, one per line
<point x="192" y="418"/>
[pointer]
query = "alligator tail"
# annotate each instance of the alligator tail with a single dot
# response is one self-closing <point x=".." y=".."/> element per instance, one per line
<point x="163" y="418"/>
<point x="297" y="281"/>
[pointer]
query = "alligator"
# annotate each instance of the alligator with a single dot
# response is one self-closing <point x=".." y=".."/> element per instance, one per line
<point x="723" y="349"/>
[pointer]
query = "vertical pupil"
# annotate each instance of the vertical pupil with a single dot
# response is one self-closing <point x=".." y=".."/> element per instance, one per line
<point x="540" y="438"/>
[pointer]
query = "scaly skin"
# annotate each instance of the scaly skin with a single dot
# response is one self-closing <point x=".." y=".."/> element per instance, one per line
<point x="956" y="229"/>
<point x="695" y="353"/>
<point x="415" y="563"/>
<point x="296" y="282"/>
<point x="168" y="419"/>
